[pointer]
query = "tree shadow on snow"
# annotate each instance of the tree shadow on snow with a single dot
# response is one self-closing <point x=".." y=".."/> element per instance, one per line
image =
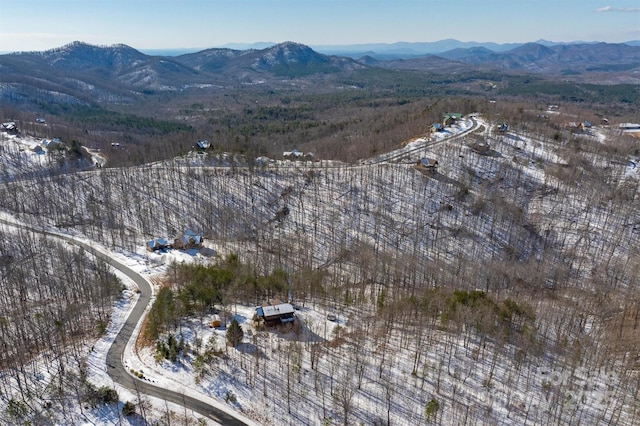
<point x="251" y="349"/>
<point x="444" y="179"/>
<point x="296" y="331"/>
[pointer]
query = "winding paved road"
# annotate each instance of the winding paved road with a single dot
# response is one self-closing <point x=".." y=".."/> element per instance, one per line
<point x="115" y="366"/>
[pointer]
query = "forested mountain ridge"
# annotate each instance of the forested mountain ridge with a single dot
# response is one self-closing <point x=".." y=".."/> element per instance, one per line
<point x="554" y="59"/>
<point x="83" y="73"/>
<point x="82" y="70"/>
<point x="287" y="59"/>
<point x="579" y="62"/>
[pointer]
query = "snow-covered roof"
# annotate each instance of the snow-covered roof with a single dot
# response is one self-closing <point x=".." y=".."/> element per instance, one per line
<point x="274" y="310"/>
<point x="190" y="237"/>
<point x="48" y="142"/>
<point x="294" y="153"/>
<point x="204" y="144"/>
<point x="157" y="243"/>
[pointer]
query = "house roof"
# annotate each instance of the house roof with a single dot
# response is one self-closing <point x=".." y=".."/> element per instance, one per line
<point x="428" y="162"/>
<point x="454" y="115"/>
<point x="48" y="142"/>
<point x="294" y="153"/>
<point x="204" y="144"/>
<point x="274" y="311"/>
<point x="157" y="242"/>
<point x="189" y="235"/>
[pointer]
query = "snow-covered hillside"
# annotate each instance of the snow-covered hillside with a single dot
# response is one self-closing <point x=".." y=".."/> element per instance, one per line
<point x="544" y="229"/>
<point x="25" y="157"/>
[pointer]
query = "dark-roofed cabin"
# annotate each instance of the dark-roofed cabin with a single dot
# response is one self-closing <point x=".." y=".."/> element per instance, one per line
<point x="481" y="147"/>
<point x="275" y="314"/>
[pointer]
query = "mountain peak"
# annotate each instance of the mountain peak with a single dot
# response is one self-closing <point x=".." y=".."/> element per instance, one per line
<point x="290" y="52"/>
<point x="79" y="45"/>
<point x="84" y="55"/>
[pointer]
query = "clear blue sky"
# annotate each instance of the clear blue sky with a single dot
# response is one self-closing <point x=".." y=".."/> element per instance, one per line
<point x="152" y="24"/>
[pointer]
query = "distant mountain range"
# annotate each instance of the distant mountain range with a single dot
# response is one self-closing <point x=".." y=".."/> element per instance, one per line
<point x="85" y="74"/>
<point x="561" y="59"/>
<point x="285" y="59"/>
<point x="406" y="50"/>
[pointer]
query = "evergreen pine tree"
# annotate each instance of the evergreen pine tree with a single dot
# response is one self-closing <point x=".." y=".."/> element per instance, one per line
<point x="234" y="333"/>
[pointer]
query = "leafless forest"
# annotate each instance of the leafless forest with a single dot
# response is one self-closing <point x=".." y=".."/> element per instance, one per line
<point x="529" y="255"/>
<point x="54" y="301"/>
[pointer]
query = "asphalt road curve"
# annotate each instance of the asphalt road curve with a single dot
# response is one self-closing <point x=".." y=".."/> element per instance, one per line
<point x="118" y="372"/>
<point x="115" y="367"/>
